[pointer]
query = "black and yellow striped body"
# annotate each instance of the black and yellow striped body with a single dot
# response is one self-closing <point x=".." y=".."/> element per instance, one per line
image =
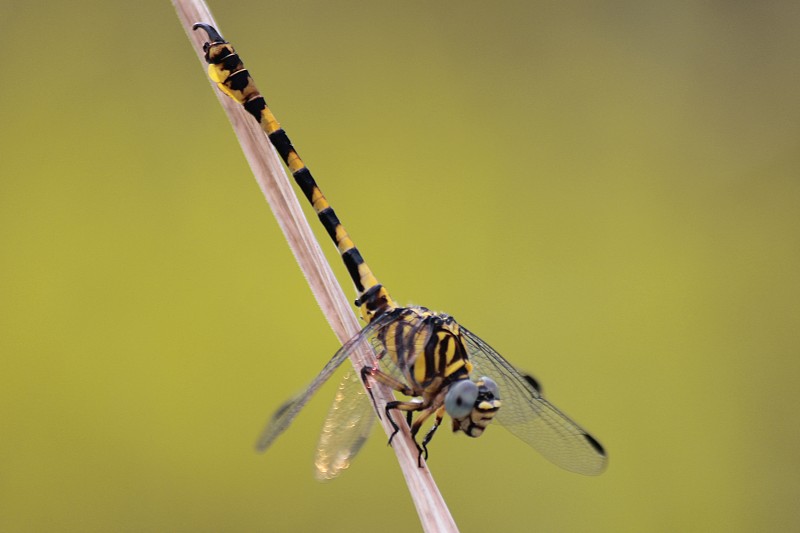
<point x="424" y="345"/>
<point x="419" y="353"/>
<point x="227" y="70"/>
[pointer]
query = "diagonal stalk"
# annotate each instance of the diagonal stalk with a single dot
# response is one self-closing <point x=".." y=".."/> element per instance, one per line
<point x="277" y="188"/>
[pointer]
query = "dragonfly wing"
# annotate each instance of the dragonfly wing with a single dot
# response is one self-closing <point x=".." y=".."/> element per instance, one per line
<point x="350" y="418"/>
<point x="287" y="412"/>
<point x="526" y="413"/>
<point x="346" y="428"/>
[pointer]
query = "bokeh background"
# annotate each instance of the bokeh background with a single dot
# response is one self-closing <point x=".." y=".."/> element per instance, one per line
<point x="608" y="194"/>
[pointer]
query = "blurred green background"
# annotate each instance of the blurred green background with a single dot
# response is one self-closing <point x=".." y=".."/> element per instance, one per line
<point x="608" y="194"/>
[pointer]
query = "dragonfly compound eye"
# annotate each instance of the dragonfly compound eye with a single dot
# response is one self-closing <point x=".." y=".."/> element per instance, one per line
<point x="491" y="386"/>
<point x="460" y="399"/>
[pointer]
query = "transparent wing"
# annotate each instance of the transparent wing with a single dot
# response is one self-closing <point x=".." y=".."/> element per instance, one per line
<point x="287" y="412"/>
<point x="346" y="428"/>
<point x="351" y="416"/>
<point x="526" y="414"/>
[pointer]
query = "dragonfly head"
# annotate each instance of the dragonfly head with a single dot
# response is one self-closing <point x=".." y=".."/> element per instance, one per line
<point x="472" y="405"/>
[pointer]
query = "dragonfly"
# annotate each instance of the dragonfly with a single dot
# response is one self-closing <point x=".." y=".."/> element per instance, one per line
<point x="427" y="356"/>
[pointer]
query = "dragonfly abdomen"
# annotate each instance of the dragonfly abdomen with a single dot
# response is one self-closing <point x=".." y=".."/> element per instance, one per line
<point x="227" y="70"/>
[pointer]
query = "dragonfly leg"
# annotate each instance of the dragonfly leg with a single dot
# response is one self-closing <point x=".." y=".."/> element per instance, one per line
<point x="409" y="407"/>
<point x="386" y="379"/>
<point x="368" y="371"/>
<point x="432" y="431"/>
<point x="415" y="427"/>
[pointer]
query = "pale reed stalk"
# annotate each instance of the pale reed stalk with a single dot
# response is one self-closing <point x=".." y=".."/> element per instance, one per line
<point x="277" y="188"/>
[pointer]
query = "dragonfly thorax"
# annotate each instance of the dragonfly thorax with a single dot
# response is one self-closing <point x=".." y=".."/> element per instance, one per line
<point x="426" y="348"/>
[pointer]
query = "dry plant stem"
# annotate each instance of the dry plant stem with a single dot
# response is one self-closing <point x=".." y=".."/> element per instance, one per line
<point x="271" y="177"/>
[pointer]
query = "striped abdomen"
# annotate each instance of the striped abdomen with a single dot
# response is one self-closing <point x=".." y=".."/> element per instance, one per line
<point x="227" y="70"/>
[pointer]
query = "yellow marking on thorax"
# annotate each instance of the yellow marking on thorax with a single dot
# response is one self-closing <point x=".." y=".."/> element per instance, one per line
<point x="420" y="368"/>
<point x="468" y="366"/>
<point x="451" y="345"/>
<point x="457" y="365"/>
